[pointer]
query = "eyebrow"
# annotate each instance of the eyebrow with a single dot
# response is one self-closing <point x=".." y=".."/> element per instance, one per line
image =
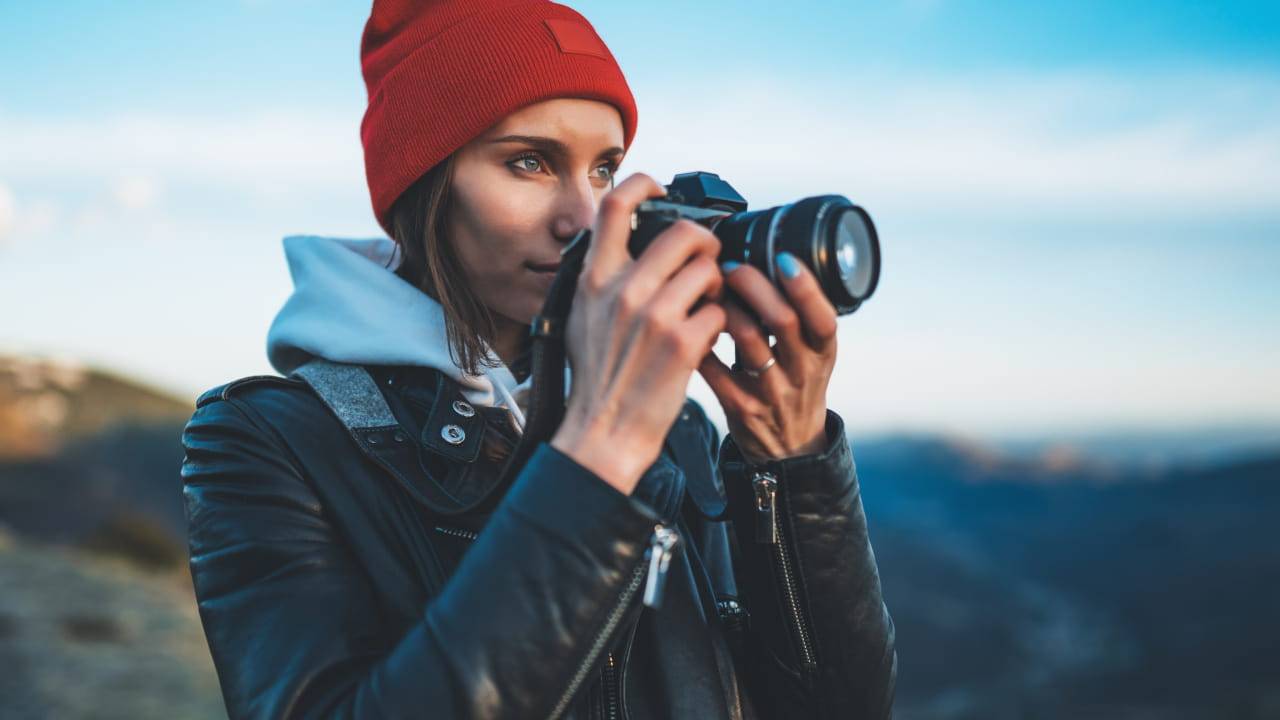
<point x="551" y="146"/>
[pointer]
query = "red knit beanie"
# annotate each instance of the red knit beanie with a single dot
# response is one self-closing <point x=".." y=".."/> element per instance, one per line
<point x="441" y="72"/>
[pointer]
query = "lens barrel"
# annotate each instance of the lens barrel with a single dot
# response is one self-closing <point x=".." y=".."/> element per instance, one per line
<point x="833" y="237"/>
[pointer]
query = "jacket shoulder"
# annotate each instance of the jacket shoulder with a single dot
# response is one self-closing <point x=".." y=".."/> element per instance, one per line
<point x="225" y="390"/>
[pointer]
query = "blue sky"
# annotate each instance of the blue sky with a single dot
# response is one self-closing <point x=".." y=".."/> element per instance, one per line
<point x="1079" y="202"/>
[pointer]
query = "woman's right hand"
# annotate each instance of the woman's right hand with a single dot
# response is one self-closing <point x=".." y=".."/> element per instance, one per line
<point x="632" y="342"/>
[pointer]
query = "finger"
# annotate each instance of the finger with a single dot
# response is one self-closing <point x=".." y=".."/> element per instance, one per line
<point x="700" y="278"/>
<point x="753" y="348"/>
<point x="775" y="312"/>
<point x="608" y="251"/>
<point x="725" y="383"/>
<point x="704" y="327"/>
<point x="672" y="249"/>
<point x="817" y="314"/>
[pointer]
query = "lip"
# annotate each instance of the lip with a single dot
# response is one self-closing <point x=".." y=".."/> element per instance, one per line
<point x="550" y="267"/>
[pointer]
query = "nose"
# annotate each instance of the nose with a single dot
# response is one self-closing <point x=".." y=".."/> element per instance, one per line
<point x="575" y="209"/>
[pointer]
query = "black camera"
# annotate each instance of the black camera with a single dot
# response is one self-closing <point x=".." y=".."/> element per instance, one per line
<point x="833" y="237"/>
<point x="829" y="234"/>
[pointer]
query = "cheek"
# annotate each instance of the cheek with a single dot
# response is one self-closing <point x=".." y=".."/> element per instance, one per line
<point x="492" y="230"/>
<point x="495" y="228"/>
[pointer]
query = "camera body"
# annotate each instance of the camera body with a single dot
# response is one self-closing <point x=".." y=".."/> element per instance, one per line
<point x="833" y="237"/>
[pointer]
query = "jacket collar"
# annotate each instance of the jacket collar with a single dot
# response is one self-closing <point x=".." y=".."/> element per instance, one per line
<point x="475" y="453"/>
<point x="454" y="430"/>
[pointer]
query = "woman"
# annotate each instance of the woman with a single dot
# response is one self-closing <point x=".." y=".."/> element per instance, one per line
<point x="352" y="550"/>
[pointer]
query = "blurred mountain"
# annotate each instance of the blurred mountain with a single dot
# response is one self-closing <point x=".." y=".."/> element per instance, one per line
<point x="46" y="403"/>
<point x="1208" y="444"/>
<point x="1018" y="594"/>
<point x="83" y="452"/>
<point x="1033" y="582"/>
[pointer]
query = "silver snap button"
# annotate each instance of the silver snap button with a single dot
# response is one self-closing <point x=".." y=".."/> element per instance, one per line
<point x="463" y="409"/>
<point x="453" y="434"/>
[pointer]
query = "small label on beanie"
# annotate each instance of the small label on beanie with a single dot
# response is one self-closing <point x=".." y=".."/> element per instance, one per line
<point x="577" y="38"/>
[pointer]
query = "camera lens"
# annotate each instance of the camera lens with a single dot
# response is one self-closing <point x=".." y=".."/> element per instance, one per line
<point x="857" y="254"/>
<point x="833" y="237"/>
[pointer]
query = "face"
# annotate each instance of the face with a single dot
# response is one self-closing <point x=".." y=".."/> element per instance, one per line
<point x="522" y="190"/>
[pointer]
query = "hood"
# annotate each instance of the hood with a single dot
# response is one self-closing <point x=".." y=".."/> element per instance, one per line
<point x="349" y="306"/>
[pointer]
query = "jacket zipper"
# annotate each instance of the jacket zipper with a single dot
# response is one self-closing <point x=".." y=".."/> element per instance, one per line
<point x="661" y="544"/>
<point x="661" y="550"/>
<point x="769" y="531"/>
<point x="612" y="694"/>
<point x="457" y="532"/>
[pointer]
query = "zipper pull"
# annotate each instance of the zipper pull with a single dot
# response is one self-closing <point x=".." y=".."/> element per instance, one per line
<point x="661" y="548"/>
<point x="766" y="490"/>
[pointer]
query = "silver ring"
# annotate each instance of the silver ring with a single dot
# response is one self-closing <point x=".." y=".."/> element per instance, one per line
<point x="761" y="370"/>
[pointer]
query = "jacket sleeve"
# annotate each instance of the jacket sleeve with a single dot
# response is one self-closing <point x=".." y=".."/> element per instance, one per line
<point x="820" y="641"/>
<point x="292" y="621"/>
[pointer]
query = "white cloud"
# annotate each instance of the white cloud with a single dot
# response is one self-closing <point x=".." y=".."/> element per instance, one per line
<point x="30" y="219"/>
<point x="144" y="176"/>
<point x="298" y="149"/>
<point x="135" y="192"/>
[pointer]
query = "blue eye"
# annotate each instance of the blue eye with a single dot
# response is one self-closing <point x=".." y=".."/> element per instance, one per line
<point x="528" y="163"/>
<point x="608" y="171"/>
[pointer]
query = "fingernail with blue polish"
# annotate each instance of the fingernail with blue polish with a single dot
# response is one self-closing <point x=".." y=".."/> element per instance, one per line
<point x="728" y="266"/>
<point x="788" y="264"/>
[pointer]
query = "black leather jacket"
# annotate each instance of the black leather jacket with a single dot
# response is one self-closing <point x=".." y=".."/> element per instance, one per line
<point x="329" y="586"/>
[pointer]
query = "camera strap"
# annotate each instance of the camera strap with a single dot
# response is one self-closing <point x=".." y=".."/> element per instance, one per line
<point x="546" y="405"/>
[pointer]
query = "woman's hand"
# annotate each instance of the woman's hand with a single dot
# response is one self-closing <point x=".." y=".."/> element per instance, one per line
<point x="632" y="342"/>
<point x="783" y="412"/>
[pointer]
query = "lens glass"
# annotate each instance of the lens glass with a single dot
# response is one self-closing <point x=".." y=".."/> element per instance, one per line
<point x="853" y="253"/>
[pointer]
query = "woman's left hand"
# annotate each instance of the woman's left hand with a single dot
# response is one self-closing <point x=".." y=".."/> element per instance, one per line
<point x="782" y="412"/>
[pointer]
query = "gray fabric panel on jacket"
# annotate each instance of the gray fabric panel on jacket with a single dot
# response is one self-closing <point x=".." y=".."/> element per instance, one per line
<point x="349" y="392"/>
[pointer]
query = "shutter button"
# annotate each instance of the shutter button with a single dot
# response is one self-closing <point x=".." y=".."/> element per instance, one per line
<point x="453" y="434"/>
<point x="463" y="409"/>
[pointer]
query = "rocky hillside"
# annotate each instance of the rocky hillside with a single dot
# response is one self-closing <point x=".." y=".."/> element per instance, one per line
<point x="83" y="636"/>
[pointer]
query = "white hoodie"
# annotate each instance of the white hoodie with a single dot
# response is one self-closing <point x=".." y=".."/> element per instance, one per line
<point x="349" y="306"/>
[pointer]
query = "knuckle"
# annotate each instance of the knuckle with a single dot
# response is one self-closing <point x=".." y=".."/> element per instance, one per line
<point x="706" y="269"/>
<point x="659" y="322"/>
<point x="690" y="352"/>
<point x="612" y="203"/>
<point x="663" y="326"/>
<point x="719" y="318"/>
<point x="630" y="300"/>
<point x="785" y="321"/>
<point x="712" y="277"/>
<point x="708" y="235"/>
<point x="592" y="283"/>
<point x="749" y="332"/>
